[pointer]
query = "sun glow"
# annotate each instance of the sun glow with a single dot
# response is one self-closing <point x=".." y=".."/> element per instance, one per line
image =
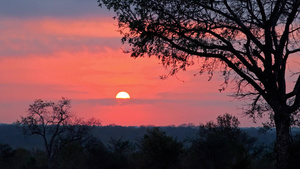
<point x="122" y="95"/>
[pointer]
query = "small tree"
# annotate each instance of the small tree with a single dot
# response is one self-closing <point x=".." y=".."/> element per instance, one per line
<point x="120" y="151"/>
<point x="159" y="151"/>
<point x="6" y="156"/>
<point x="55" y="124"/>
<point x="221" y="145"/>
<point x="98" y="156"/>
<point x="255" y="39"/>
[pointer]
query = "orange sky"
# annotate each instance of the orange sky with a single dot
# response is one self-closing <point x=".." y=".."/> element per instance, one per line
<point x="56" y="52"/>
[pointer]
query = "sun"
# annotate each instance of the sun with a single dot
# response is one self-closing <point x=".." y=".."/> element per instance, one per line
<point x="122" y="95"/>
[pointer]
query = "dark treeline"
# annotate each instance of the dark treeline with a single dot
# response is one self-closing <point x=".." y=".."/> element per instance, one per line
<point x="12" y="135"/>
<point x="215" y="145"/>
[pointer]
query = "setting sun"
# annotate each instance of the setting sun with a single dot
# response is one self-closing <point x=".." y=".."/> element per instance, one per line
<point x="122" y="95"/>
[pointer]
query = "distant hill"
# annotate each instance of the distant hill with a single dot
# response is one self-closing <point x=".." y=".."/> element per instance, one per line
<point x="13" y="136"/>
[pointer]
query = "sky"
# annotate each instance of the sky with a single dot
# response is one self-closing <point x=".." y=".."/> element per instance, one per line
<point x="72" y="49"/>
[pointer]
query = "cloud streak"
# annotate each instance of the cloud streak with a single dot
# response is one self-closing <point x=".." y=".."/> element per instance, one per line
<point x="53" y="8"/>
<point x="46" y="37"/>
<point x="139" y="101"/>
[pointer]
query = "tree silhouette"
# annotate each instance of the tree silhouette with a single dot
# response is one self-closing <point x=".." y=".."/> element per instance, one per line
<point x="159" y="151"/>
<point x="99" y="157"/>
<point x="71" y="156"/>
<point x="252" y="38"/>
<point x="120" y="150"/>
<point x="6" y="155"/>
<point x="55" y="124"/>
<point x="221" y="145"/>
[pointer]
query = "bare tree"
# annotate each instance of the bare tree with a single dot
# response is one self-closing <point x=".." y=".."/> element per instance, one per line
<point x="252" y="38"/>
<point x="55" y="124"/>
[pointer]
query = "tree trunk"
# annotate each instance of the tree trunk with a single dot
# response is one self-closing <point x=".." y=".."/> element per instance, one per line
<point x="49" y="164"/>
<point x="282" y="122"/>
<point x="49" y="161"/>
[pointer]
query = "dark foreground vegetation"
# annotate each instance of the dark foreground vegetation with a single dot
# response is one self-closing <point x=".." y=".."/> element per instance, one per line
<point x="215" y="145"/>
